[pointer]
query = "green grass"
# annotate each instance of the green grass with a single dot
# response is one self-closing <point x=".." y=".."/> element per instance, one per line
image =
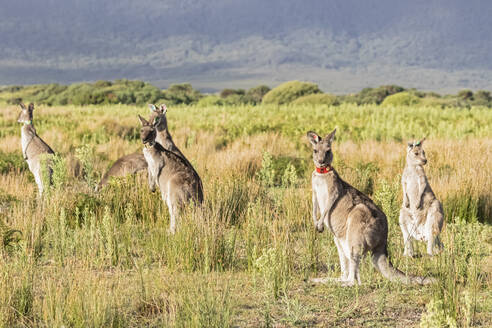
<point x="242" y="260"/>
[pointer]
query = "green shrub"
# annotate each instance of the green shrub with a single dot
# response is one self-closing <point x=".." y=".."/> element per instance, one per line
<point x="465" y="94"/>
<point x="317" y="99"/>
<point x="182" y="94"/>
<point x="401" y="99"/>
<point x="482" y="98"/>
<point x="373" y="95"/>
<point x="12" y="161"/>
<point x="231" y="92"/>
<point x="211" y="100"/>
<point x="289" y="91"/>
<point x="256" y="94"/>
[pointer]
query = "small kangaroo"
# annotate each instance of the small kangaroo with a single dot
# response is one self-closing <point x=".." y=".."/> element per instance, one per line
<point x="357" y="224"/>
<point x="421" y="214"/>
<point x="128" y="164"/>
<point x="33" y="147"/>
<point x="178" y="181"/>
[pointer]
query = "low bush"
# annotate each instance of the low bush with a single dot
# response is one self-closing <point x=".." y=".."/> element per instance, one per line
<point x="290" y="91"/>
<point x="317" y="99"/>
<point x="401" y="99"/>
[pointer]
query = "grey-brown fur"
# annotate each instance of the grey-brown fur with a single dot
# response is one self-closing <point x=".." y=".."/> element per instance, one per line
<point x="421" y="214"/>
<point x="178" y="182"/>
<point x="357" y="224"/>
<point x="33" y="147"/>
<point x="133" y="163"/>
<point x="128" y="164"/>
<point x="159" y="120"/>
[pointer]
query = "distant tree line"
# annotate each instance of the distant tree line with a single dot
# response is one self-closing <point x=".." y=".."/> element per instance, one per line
<point x="293" y="92"/>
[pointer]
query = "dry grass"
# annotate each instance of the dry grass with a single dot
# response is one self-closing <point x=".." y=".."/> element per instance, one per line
<point x="106" y="259"/>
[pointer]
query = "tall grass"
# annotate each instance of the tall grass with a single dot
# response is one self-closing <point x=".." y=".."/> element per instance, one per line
<point x="103" y="259"/>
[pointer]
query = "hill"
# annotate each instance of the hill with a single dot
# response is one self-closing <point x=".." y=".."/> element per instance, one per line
<point x="341" y="45"/>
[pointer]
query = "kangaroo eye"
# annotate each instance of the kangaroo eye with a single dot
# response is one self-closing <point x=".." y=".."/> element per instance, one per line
<point x="416" y="154"/>
<point x="315" y="151"/>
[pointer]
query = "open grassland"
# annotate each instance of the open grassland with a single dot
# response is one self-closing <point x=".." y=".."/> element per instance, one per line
<point x="83" y="259"/>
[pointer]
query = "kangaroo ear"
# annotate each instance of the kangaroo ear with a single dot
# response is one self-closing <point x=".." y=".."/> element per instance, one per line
<point x="163" y="109"/>
<point x="419" y="143"/>
<point x="331" y="136"/>
<point x="31" y="107"/>
<point x="410" y="145"/>
<point x="313" y="137"/>
<point x="143" y="121"/>
<point x="152" y="107"/>
<point x="22" y="105"/>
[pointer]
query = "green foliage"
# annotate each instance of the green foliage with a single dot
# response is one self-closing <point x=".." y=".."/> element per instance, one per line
<point x="210" y="100"/>
<point x="482" y="98"/>
<point x="183" y="93"/>
<point x="279" y="172"/>
<point x="12" y="161"/>
<point x="401" y="99"/>
<point x="317" y="99"/>
<point x="255" y="95"/>
<point x="60" y="171"/>
<point x="232" y="92"/>
<point x="465" y="94"/>
<point x="9" y="238"/>
<point x="85" y="155"/>
<point x="273" y="268"/>
<point x="467" y="206"/>
<point x="374" y="95"/>
<point x="366" y="175"/>
<point x="386" y="197"/>
<point x="100" y="92"/>
<point x="140" y="93"/>
<point x="289" y="91"/>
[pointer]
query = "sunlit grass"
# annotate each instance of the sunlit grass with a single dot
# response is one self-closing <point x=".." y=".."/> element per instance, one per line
<point x="106" y="259"/>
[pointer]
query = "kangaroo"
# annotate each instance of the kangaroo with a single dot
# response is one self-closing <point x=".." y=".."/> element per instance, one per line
<point x="128" y="164"/>
<point x="178" y="181"/>
<point x="159" y="120"/>
<point x="421" y="214"/>
<point x="33" y="147"/>
<point x="133" y="163"/>
<point x="357" y="224"/>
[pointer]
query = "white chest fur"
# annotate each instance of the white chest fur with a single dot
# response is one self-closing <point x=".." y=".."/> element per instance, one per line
<point x="327" y="190"/>
<point x="413" y="181"/>
<point x="153" y="166"/>
<point x="26" y="138"/>
<point x="321" y="190"/>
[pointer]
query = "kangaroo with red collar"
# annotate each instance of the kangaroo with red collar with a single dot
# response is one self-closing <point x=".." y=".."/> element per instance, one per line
<point x="357" y="224"/>
<point x="33" y="147"/>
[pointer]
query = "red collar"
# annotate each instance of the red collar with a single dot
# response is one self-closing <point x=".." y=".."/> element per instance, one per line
<point x="324" y="170"/>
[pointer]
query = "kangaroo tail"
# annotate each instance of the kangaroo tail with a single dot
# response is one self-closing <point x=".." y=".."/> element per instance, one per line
<point x="382" y="264"/>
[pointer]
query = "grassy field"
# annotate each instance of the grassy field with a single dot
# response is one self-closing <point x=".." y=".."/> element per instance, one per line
<point x="85" y="259"/>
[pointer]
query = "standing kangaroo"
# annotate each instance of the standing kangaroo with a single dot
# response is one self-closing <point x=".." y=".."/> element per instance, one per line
<point x="357" y="224"/>
<point x="178" y="181"/>
<point x="421" y="215"/>
<point x="33" y="147"/>
<point x="159" y="120"/>
<point x="133" y="163"/>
